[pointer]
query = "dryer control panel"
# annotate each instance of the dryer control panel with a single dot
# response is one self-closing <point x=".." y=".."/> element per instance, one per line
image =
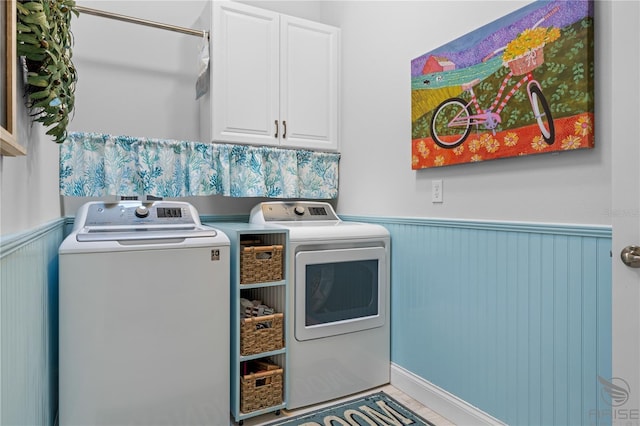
<point x="298" y="211"/>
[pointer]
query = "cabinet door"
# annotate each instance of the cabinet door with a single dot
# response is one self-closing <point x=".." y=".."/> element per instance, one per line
<point x="309" y="84"/>
<point x="244" y="92"/>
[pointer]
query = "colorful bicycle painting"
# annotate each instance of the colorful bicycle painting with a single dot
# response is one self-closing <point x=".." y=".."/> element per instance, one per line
<point x="525" y="88"/>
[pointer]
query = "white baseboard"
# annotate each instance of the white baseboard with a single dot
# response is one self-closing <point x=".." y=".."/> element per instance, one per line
<point x="442" y="402"/>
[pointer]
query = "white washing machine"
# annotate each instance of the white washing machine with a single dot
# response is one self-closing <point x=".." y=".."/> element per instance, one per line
<point x="338" y="335"/>
<point x="143" y="317"/>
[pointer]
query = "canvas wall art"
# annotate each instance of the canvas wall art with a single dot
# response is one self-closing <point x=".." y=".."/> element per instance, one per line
<point x="520" y="85"/>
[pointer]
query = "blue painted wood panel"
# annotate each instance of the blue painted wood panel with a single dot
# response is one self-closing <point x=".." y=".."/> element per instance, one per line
<point x="512" y="318"/>
<point x="29" y="326"/>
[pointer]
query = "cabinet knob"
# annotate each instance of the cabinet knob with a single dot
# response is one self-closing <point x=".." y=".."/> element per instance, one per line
<point x="276" y="134"/>
<point x="284" y="124"/>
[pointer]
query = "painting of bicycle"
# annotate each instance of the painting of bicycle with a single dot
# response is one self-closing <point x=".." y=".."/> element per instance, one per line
<point x="520" y="85"/>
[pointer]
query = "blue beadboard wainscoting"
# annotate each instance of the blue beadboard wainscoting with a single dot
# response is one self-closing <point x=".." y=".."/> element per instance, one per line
<point x="28" y="325"/>
<point x="514" y="319"/>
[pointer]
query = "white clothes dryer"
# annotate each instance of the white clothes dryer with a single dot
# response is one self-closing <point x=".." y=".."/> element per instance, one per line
<point x="339" y="273"/>
<point x="143" y="317"/>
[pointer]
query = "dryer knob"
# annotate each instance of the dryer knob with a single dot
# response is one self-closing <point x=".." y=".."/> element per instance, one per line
<point x="142" y="211"/>
<point x="299" y="210"/>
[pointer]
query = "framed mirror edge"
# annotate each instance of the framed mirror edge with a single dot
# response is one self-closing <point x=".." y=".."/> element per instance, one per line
<point x="9" y="145"/>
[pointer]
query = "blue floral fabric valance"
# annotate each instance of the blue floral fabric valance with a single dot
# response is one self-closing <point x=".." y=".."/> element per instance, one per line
<point x="96" y="165"/>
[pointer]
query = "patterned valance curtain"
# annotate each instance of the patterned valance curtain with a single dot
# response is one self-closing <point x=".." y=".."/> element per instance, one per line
<point x="96" y="165"/>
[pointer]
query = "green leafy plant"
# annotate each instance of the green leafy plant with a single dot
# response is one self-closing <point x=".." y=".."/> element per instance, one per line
<point x="44" y="39"/>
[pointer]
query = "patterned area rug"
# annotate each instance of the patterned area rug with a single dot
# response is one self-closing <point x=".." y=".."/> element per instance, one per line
<point x="371" y="410"/>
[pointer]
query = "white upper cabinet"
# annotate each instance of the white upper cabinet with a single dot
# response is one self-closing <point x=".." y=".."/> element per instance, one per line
<point x="274" y="80"/>
<point x="309" y="84"/>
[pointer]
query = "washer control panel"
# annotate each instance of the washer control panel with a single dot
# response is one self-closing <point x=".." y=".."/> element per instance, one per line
<point x="293" y="211"/>
<point x="127" y="213"/>
<point x="132" y="221"/>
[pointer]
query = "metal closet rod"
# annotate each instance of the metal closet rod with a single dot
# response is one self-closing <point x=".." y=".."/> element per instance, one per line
<point x="110" y="15"/>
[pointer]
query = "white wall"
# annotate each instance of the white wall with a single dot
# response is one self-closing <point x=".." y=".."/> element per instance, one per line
<point x="29" y="184"/>
<point x="140" y="81"/>
<point x="136" y="80"/>
<point x="379" y="39"/>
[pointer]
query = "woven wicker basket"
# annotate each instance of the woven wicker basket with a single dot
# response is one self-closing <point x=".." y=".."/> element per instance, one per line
<point x="260" y="264"/>
<point x="261" y="334"/>
<point x="261" y="390"/>
<point x="527" y="62"/>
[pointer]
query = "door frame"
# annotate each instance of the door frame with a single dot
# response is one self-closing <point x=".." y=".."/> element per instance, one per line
<point x="621" y="104"/>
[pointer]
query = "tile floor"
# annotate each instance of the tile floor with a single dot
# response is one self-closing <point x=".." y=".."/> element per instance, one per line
<point x="398" y="395"/>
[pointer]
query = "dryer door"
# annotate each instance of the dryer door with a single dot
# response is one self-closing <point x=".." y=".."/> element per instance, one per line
<point x="339" y="291"/>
